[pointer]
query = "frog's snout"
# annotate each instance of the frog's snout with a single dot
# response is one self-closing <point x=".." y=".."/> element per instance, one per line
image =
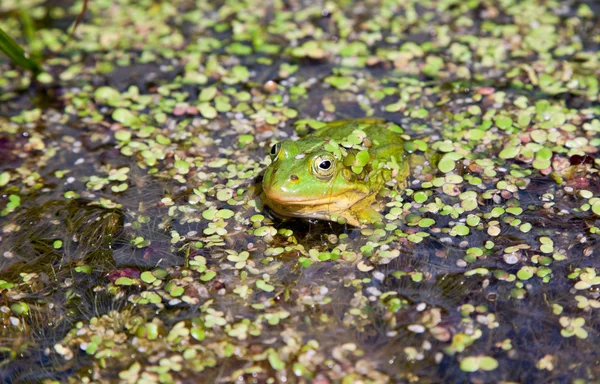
<point x="282" y="189"/>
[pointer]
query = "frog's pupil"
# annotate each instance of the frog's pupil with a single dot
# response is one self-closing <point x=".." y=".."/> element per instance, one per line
<point x="274" y="149"/>
<point x="326" y="164"/>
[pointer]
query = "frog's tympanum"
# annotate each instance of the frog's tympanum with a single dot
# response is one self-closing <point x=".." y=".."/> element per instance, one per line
<point x="336" y="172"/>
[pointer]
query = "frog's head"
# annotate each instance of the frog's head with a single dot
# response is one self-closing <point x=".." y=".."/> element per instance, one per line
<point x="305" y="174"/>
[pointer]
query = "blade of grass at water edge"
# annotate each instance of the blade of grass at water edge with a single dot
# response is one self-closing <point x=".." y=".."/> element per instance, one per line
<point x="13" y="50"/>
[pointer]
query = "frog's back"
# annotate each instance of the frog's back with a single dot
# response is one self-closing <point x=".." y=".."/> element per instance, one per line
<point x="385" y="145"/>
<point x="377" y="130"/>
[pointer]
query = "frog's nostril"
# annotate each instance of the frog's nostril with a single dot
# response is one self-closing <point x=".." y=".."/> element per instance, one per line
<point x="293" y="177"/>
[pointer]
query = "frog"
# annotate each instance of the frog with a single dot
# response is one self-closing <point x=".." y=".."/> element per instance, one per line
<point x="336" y="172"/>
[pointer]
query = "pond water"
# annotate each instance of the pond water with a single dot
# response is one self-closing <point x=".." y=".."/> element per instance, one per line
<point x="134" y="246"/>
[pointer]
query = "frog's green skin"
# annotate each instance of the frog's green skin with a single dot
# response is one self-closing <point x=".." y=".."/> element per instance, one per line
<point x="298" y="182"/>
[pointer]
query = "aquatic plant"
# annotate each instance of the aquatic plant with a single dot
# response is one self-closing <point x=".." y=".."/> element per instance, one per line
<point x="17" y="54"/>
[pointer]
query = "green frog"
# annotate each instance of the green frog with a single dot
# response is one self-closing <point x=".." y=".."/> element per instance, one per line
<point x="336" y="172"/>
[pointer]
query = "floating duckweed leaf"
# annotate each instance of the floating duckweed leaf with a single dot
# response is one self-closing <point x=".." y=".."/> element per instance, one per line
<point x="475" y="252"/>
<point x="493" y="230"/>
<point x="457" y="179"/>
<point x="14" y="201"/>
<point x="148" y="277"/>
<point x="433" y="65"/>
<point x="419" y="113"/>
<point x="573" y="327"/>
<point x="542" y="158"/>
<point x="539" y="136"/>
<point x="496" y="212"/>
<point x="488" y="363"/>
<point x="414" y="238"/>
<point x="209" y="214"/>
<point x="207" y="110"/>
<point x="263" y="285"/>
<point x="547" y="245"/>
<point x="124" y="281"/>
<point x="504" y="122"/>
<point x="238" y="48"/>
<point x="510" y="152"/>
<point x="82" y="269"/>
<point x="244" y="140"/>
<point x="586" y="194"/>
<point x="275" y="361"/>
<point x="362" y="158"/>
<point x="125" y="117"/>
<point x="475" y="363"/>
<point x="525" y="273"/>
<point x="448" y="162"/>
<point x="207" y="94"/>
<point x="444" y="146"/>
<point x="182" y="166"/>
<point x="225" y="194"/>
<point x="209" y="275"/>
<point x="334" y="148"/>
<point x="198" y="333"/>
<point x="264" y="231"/>
<point x="420" y="197"/>
<point x="356" y="137"/>
<point x="20" y="308"/>
<point x="175" y="291"/>
<point x="469" y="204"/>
<point x="218" y="163"/>
<point x="123" y="135"/>
<point x="461" y="230"/>
<point x="225" y="213"/>
<point x="119" y="188"/>
<point x="107" y="95"/>
<point x="596" y="208"/>
<point x="357" y="169"/>
<point x="4" y="178"/>
<point x="71" y="195"/>
<point x="473" y="220"/>
<point x="311" y="49"/>
<point x="340" y="82"/>
<point x="426" y="222"/>
<point x="476" y="134"/>
<point x="514" y="210"/>
<point x="286" y="70"/>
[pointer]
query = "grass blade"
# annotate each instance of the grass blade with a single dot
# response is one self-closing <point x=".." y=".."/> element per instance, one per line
<point x="13" y="50"/>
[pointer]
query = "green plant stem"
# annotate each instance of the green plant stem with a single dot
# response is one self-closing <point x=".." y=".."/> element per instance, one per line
<point x="13" y="50"/>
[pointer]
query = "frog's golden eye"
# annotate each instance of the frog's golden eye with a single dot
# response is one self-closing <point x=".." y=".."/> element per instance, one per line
<point x="275" y="150"/>
<point x="324" y="166"/>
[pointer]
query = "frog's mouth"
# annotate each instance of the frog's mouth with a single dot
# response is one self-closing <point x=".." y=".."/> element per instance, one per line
<point x="340" y="201"/>
<point x="313" y="202"/>
<point x="289" y="200"/>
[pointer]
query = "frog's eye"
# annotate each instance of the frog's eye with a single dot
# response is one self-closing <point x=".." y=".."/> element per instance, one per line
<point x="275" y="150"/>
<point x="323" y="166"/>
